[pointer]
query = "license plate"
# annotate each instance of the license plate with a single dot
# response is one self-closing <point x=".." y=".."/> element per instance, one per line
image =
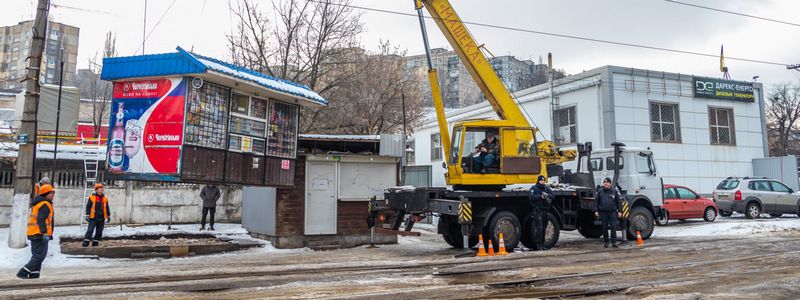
<point x="723" y="197"/>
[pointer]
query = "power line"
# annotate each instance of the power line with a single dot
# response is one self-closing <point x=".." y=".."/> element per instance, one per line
<point x="155" y="26"/>
<point x="733" y="12"/>
<point x="575" y="37"/>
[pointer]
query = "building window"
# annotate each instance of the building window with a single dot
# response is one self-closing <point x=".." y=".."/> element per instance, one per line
<point x="720" y="122"/>
<point x="566" y="128"/>
<point x="664" y="122"/>
<point x="436" y="146"/>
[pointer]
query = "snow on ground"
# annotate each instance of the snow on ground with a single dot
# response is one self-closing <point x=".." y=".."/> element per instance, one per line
<point x="728" y="226"/>
<point x="16" y="258"/>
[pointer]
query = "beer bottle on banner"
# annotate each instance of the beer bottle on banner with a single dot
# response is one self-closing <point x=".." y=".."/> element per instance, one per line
<point x="116" y="147"/>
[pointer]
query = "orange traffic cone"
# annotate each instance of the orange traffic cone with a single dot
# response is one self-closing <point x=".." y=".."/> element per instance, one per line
<point x="502" y="249"/>
<point x="639" y="240"/>
<point x="481" y="248"/>
<point x="491" y="248"/>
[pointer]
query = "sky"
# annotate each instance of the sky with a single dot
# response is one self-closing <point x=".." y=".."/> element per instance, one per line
<point x="201" y="25"/>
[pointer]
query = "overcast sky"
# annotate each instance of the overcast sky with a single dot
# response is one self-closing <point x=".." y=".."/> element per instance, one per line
<point x="202" y="25"/>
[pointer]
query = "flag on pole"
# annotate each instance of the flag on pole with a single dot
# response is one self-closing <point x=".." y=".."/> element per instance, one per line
<point x="721" y="59"/>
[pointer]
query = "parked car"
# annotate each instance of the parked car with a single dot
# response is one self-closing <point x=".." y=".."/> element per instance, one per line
<point x="683" y="203"/>
<point x="754" y="196"/>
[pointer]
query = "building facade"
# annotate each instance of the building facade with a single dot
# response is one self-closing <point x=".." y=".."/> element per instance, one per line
<point x="697" y="139"/>
<point x="15" y="42"/>
<point x="459" y="89"/>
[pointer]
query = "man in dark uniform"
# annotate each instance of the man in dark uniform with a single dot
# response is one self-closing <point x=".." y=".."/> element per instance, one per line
<point x="540" y="198"/>
<point x="40" y="231"/>
<point x="608" y="210"/>
<point x="488" y="150"/>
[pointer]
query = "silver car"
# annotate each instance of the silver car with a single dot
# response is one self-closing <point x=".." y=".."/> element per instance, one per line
<point x="754" y="196"/>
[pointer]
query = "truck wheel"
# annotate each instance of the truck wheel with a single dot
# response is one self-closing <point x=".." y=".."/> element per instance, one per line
<point x="527" y="235"/>
<point x="642" y="220"/>
<point x="507" y="223"/>
<point x="591" y="231"/>
<point x="552" y="232"/>
<point x="454" y="238"/>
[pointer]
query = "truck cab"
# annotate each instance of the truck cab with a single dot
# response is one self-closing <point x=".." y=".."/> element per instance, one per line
<point x="638" y="180"/>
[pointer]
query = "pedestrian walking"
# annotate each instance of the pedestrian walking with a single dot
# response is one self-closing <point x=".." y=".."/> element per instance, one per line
<point x="210" y="194"/>
<point x="540" y="198"/>
<point x="97" y="214"/>
<point x="40" y="231"/>
<point x="608" y="210"/>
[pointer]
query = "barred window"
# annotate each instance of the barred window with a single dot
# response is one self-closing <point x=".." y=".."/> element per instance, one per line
<point x="566" y="129"/>
<point x="664" y="122"/>
<point x="436" y="146"/>
<point x="720" y="122"/>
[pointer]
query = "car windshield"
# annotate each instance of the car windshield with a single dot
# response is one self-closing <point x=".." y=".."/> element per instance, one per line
<point x="728" y="184"/>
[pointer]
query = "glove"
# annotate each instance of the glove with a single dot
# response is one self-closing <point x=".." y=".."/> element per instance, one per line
<point x="108" y="220"/>
<point x="45" y="237"/>
<point x="86" y="218"/>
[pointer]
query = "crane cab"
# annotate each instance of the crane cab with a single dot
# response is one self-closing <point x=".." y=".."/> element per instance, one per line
<point x="489" y="154"/>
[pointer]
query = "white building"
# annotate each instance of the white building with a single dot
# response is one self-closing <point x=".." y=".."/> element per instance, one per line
<point x="697" y="135"/>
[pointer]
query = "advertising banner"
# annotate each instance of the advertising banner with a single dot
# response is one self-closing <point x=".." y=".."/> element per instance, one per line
<point x="713" y="88"/>
<point x="146" y="126"/>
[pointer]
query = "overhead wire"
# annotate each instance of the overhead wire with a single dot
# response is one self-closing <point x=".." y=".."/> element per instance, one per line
<point x="156" y="25"/>
<point x="733" y="12"/>
<point x="568" y="36"/>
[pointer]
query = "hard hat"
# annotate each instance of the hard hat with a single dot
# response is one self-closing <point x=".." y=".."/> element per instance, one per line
<point x="97" y="186"/>
<point x="46" y="188"/>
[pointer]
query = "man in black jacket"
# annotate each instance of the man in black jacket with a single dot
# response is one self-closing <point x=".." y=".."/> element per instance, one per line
<point x="210" y="194"/>
<point x="540" y="198"/>
<point x="40" y="231"/>
<point x="488" y="150"/>
<point x="608" y="210"/>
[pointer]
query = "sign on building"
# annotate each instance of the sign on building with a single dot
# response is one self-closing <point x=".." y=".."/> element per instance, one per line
<point x="713" y="88"/>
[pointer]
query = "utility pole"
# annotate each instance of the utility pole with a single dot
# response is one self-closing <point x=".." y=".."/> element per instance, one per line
<point x="23" y="183"/>
<point x="553" y="100"/>
<point x="58" y="118"/>
<point x="144" y="26"/>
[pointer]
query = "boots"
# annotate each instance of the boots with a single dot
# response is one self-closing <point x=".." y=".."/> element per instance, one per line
<point x="25" y="274"/>
<point x="85" y="243"/>
<point x="95" y="243"/>
<point x="211" y="228"/>
<point x="605" y="244"/>
<point x="202" y="228"/>
<point x="614" y="244"/>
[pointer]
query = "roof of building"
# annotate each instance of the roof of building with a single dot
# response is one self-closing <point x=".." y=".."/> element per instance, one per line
<point x="183" y="62"/>
<point x="334" y="137"/>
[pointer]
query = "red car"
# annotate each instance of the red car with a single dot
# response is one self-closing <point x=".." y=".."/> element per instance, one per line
<point x="683" y="203"/>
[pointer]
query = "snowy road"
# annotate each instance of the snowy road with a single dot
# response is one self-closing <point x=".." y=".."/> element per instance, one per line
<point x="733" y="258"/>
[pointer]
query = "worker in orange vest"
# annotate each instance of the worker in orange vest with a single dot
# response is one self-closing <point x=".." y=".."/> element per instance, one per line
<point x="97" y="214"/>
<point x="40" y="231"/>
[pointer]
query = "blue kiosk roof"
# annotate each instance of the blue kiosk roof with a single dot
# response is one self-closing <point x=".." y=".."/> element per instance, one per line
<point x="185" y="63"/>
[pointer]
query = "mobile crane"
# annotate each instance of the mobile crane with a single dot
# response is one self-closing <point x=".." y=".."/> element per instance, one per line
<point x="478" y="203"/>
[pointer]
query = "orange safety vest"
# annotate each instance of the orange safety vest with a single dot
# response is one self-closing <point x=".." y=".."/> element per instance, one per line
<point x="104" y="201"/>
<point x="33" y="227"/>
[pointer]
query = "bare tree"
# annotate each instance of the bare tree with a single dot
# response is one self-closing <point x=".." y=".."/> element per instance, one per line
<point x="305" y="44"/>
<point x="371" y="101"/>
<point x="783" y="112"/>
<point x="101" y="91"/>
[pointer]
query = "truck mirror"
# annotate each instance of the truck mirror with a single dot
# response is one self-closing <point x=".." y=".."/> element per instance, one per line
<point x="444" y="165"/>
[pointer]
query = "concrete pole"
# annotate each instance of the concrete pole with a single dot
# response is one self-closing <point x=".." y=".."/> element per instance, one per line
<point x="23" y="183"/>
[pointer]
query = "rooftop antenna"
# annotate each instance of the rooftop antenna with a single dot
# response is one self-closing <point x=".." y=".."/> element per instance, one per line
<point x="722" y="67"/>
